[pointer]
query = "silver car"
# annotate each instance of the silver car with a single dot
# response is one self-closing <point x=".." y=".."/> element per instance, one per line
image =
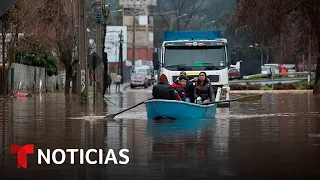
<point x="139" y="80"/>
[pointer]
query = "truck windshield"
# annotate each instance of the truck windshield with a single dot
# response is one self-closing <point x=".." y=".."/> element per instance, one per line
<point x="195" y="58"/>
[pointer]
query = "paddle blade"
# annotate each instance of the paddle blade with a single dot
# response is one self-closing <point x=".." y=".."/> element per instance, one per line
<point x="110" y="116"/>
<point x="250" y="98"/>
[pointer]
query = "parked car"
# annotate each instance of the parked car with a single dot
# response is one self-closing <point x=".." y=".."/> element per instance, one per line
<point x="234" y="73"/>
<point x="139" y="80"/>
<point x="290" y="72"/>
<point x="147" y="71"/>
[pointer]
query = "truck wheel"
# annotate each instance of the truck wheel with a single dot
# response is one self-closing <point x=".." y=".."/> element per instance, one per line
<point x="146" y="86"/>
<point x="132" y="87"/>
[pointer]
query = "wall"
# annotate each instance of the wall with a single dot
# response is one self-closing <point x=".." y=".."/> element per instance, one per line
<point x="137" y="3"/>
<point x="113" y="72"/>
<point x="33" y="79"/>
<point x="141" y="53"/>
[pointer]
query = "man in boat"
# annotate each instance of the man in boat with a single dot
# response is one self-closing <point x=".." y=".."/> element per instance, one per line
<point x="163" y="90"/>
<point x="180" y="87"/>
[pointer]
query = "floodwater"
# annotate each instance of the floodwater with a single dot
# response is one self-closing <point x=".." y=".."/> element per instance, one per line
<point x="274" y="138"/>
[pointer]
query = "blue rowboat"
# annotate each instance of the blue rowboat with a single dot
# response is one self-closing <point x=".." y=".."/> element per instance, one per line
<point x="172" y="109"/>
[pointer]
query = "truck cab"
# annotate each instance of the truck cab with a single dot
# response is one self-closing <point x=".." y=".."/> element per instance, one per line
<point x="194" y="52"/>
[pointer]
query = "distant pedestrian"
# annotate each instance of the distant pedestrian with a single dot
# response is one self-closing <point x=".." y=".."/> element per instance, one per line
<point x="118" y="81"/>
<point x="269" y="73"/>
<point x="109" y="81"/>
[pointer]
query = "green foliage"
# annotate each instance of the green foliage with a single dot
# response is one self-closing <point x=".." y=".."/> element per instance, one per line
<point x="266" y="88"/>
<point x="304" y="85"/>
<point x="42" y="60"/>
<point x="278" y="86"/>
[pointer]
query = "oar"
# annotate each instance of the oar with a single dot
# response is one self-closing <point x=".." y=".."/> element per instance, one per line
<point x="109" y="101"/>
<point x="113" y="115"/>
<point x="240" y="99"/>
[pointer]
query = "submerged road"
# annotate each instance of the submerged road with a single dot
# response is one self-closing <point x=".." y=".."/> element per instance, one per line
<point x="276" y="137"/>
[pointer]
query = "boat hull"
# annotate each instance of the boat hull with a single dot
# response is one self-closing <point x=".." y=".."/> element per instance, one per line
<point x="172" y="109"/>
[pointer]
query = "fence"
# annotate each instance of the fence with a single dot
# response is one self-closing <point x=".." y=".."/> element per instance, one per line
<point x="24" y="78"/>
<point x="1" y="79"/>
<point x="32" y="79"/>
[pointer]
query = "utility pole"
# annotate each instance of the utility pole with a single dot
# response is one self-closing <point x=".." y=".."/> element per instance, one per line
<point x="134" y="35"/>
<point x="267" y="54"/>
<point x="121" y="57"/>
<point x="261" y="56"/>
<point x="309" y="60"/>
<point x="281" y="52"/>
<point x="82" y="69"/>
<point x="3" y="71"/>
<point x="99" y="70"/>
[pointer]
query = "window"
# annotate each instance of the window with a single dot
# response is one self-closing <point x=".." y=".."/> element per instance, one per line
<point x="195" y="56"/>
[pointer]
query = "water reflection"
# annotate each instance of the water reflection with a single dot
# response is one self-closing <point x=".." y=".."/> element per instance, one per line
<point x="165" y="129"/>
<point x="268" y="138"/>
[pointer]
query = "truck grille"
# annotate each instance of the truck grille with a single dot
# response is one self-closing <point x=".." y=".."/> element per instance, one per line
<point x="212" y="78"/>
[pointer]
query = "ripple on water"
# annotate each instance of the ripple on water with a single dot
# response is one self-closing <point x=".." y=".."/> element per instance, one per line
<point x="271" y="138"/>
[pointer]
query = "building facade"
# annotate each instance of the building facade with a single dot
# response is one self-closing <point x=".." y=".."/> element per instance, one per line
<point x="142" y="11"/>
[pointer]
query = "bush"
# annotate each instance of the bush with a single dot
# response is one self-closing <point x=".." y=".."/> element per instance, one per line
<point x="248" y="86"/>
<point x="278" y="86"/>
<point x="42" y="60"/>
<point x="304" y="85"/>
<point x="253" y="86"/>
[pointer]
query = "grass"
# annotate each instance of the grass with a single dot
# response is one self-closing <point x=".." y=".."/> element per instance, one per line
<point x="303" y="85"/>
<point x="266" y="88"/>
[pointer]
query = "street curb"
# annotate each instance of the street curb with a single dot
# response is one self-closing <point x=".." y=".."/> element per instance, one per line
<point x="270" y="91"/>
<point x="125" y="88"/>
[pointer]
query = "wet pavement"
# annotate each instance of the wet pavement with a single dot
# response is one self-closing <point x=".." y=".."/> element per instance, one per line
<point x="274" y="138"/>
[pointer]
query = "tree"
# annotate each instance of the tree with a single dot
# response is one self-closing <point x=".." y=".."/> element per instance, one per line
<point x="199" y="12"/>
<point x="167" y="10"/>
<point x="14" y="25"/>
<point x="180" y="7"/>
<point x="44" y="60"/>
<point x="60" y="15"/>
<point x="272" y="19"/>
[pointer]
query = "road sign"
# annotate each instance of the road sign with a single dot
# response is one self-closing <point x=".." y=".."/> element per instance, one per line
<point x="94" y="61"/>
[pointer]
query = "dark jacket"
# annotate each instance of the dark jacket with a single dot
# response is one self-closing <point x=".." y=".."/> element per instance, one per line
<point x="163" y="91"/>
<point x="181" y="91"/>
<point x="189" y="88"/>
<point x="204" y="92"/>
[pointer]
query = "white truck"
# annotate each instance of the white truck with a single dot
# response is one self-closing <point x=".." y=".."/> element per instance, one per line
<point x="194" y="52"/>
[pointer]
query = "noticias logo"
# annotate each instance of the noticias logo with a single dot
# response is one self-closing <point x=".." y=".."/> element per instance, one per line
<point x="22" y="153"/>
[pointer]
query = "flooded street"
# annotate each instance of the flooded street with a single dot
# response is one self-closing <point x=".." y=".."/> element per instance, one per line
<point x="276" y="137"/>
